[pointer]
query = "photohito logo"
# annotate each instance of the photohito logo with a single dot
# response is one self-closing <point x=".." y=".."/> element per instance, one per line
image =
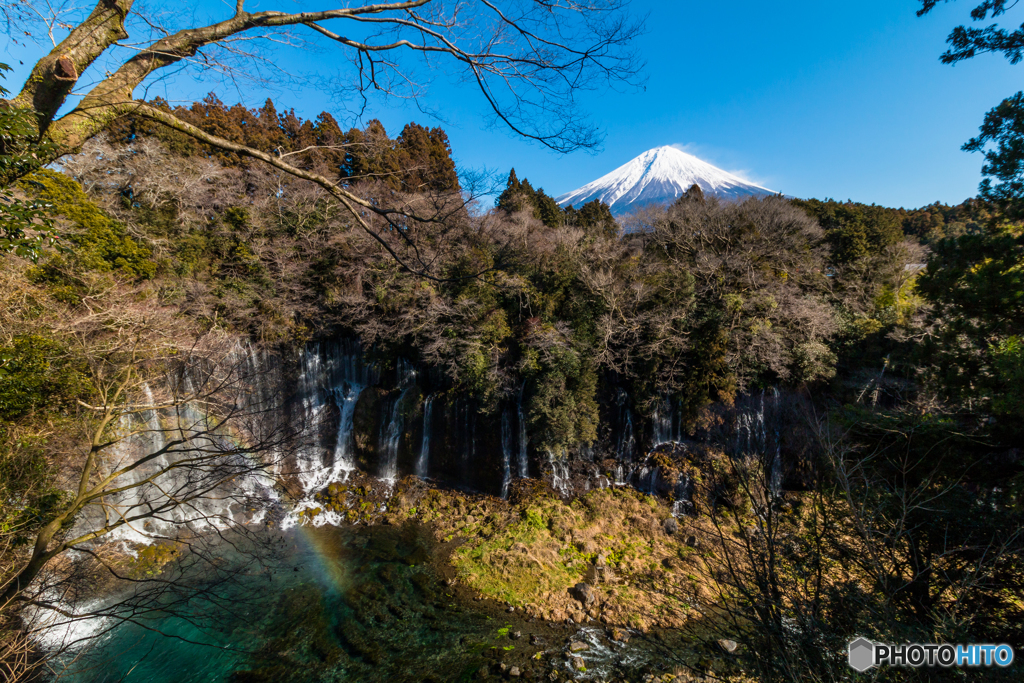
<point x="864" y="654"/>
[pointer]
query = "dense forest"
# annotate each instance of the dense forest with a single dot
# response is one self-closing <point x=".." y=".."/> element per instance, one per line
<point x="894" y="337"/>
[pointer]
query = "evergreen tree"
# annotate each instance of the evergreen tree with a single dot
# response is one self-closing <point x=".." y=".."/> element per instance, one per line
<point x="855" y="231"/>
<point x="975" y="284"/>
<point x="548" y="210"/>
<point x="595" y="217"/>
<point x="1004" y="124"/>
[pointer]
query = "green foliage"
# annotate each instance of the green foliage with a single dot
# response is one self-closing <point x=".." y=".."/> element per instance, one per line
<point x="100" y="243"/>
<point x="975" y="284"/>
<point x="563" y="409"/>
<point x="37" y="374"/>
<point x="25" y="226"/>
<point x="1008" y="363"/>
<point x="594" y="217"/>
<point x="533" y="518"/>
<point x="855" y="231"/>
<point x="28" y="495"/>
<point x="1004" y="128"/>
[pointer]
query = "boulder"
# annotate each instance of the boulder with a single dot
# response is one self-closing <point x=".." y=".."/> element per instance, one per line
<point x="578" y="646"/>
<point x="671" y="526"/>
<point x="620" y="635"/>
<point x="514" y="672"/>
<point x="586" y="547"/>
<point x="728" y="645"/>
<point x="584" y="593"/>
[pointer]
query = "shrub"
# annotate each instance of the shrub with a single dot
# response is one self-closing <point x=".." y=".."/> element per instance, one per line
<point x="100" y="243"/>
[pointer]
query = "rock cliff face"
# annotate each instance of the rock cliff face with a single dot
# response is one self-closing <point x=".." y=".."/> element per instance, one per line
<point x="399" y="421"/>
<point x="385" y="423"/>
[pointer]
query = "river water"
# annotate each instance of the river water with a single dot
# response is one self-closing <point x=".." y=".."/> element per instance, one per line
<point x="342" y="604"/>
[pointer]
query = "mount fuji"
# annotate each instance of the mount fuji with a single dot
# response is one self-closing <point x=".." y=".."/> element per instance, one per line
<point x="659" y="176"/>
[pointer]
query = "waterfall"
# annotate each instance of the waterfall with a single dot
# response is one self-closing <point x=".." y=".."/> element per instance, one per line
<point x="559" y="475"/>
<point x="625" y="446"/>
<point x="683" y="503"/>
<point x="647" y="479"/>
<point x="346" y="397"/>
<point x="186" y="472"/>
<point x="393" y="427"/>
<point x="523" y="462"/>
<point x="506" y="454"/>
<point x="754" y="439"/>
<point x="775" y="466"/>
<point x="663" y="423"/>
<point x="310" y="465"/>
<point x="423" y="461"/>
<point x="330" y="376"/>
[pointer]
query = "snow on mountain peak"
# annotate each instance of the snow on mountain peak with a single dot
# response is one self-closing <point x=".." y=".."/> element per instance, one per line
<point x="657" y="176"/>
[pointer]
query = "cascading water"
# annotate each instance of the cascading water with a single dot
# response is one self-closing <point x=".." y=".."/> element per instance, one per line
<point x="393" y="427"/>
<point x="506" y="454"/>
<point x="423" y="460"/>
<point x="775" y="464"/>
<point x="683" y="495"/>
<point x="755" y="439"/>
<point x="647" y="479"/>
<point x="523" y="462"/>
<point x="181" y="470"/>
<point x="559" y="475"/>
<point x="331" y="375"/>
<point x="663" y="423"/>
<point x="625" y="446"/>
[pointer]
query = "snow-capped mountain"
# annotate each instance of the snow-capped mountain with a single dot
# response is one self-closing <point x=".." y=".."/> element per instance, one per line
<point x="659" y="176"/>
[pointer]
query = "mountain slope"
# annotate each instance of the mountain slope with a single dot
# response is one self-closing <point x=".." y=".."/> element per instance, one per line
<point x="657" y="176"/>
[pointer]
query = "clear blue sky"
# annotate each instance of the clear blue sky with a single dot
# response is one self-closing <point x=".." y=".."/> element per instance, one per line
<point x="813" y="99"/>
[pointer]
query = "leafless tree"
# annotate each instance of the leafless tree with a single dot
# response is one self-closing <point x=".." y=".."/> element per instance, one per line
<point x="879" y="546"/>
<point x="528" y="60"/>
<point x="178" y="447"/>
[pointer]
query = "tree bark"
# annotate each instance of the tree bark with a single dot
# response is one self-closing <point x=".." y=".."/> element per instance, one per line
<point x="54" y="75"/>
